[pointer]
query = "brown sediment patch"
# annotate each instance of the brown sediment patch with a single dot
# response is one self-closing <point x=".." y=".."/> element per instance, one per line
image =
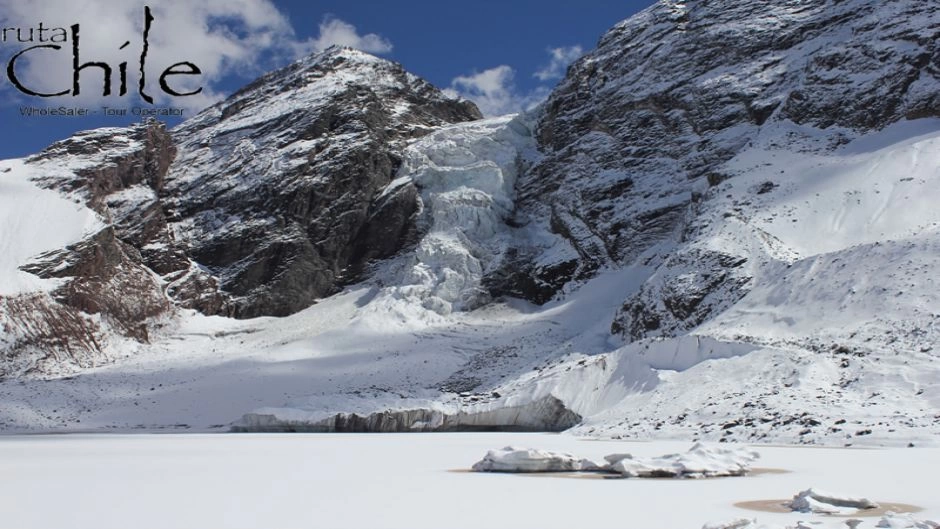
<point x="780" y="506"/>
<point x="760" y="471"/>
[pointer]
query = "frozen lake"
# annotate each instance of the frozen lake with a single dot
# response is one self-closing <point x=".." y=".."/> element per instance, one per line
<point x="408" y="481"/>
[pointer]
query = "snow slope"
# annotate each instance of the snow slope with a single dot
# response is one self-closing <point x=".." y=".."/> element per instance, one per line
<point x="879" y="187"/>
<point x="34" y="220"/>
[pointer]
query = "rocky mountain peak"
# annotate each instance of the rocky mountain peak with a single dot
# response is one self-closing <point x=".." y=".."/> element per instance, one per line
<point x="273" y="191"/>
<point x="346" y="74"/>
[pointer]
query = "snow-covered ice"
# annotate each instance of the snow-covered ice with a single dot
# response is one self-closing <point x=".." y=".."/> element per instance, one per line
<point x="699" y="462"/>
<point x="466" y="174"/>
<point x="515" y="459"/>
<point x="411" y="481"/>
<point x="813" y="500"/>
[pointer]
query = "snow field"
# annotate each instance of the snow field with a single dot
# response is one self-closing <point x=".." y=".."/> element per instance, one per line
<point x="410" y="481"/>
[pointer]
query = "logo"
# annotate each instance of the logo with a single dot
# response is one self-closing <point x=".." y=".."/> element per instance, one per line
<point x="50" y="40"/>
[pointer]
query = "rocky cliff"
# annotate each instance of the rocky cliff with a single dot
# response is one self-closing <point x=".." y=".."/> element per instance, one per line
<point x="636" y="135"/>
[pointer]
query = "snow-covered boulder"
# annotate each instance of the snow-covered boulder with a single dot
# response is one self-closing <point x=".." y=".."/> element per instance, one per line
<point x="515" y="459"/>
<point x="700" y="461"/>
<point x="817" y="501"/>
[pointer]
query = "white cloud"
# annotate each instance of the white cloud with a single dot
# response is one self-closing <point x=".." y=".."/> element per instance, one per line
<point x="494" y="91"/>
<point x="335" y="32"/>
<point x="219" y="36"/>
<point x="561" y="57"/>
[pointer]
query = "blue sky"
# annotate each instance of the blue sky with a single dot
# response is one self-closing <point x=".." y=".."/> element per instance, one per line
<point x="506" y="54"/>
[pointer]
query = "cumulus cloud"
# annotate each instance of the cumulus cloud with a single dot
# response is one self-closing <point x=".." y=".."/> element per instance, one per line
<point x="560" y="58"/>
<point x="335" y="32"/>
<point x="221" y="37"/>
<point x="494" y="91"/>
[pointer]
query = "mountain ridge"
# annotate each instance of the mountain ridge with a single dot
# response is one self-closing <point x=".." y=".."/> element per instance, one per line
<point x="698" y="228"/>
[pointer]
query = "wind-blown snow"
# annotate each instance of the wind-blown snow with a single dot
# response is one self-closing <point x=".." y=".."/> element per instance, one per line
<point x="34" y="220"/>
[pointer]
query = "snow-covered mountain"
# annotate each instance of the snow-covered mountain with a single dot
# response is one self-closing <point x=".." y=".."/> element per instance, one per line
<point x="721" y="224"/>
<point x="258" y="206"/>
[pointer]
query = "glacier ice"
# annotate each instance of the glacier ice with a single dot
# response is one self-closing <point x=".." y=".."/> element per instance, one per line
<point x="466" y="174"/>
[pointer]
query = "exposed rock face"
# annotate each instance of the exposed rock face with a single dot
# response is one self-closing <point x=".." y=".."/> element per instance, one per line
<point x="687" y="288"/>
<point x="106" y="277"/>
<point x="635" y="135"/>
<point x="547" y="414"/>
<point x="276" y="192"/>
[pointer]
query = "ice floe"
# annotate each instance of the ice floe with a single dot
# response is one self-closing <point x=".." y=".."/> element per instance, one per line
<point x="700" y="461"/>
<point x="514" y="459"/>
<point x="817" y="501"/>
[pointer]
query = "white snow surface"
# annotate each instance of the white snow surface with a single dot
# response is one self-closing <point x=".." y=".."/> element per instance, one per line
<point x="408" y="481"/>
<point x="34" y="220"/>
<point x="878" y="188"/>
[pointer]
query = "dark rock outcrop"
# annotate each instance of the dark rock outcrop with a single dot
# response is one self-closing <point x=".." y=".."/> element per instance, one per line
<point x="690" y="287"/>
<point x="105" y="282"/>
